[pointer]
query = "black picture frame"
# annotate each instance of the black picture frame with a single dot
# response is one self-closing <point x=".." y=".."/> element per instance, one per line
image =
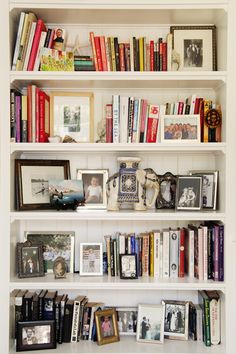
<point x="29" y="258"/>
<point x="167" y="191"/>
<point x="189" y="193"/>
<point x="125" y="262"/>
<point x="31" y="335"/>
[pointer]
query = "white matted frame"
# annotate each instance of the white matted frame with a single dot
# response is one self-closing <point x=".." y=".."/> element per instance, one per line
<point x="180" y="128"/>
<point x="150" y="324"/>
<point x="91" y="258"/>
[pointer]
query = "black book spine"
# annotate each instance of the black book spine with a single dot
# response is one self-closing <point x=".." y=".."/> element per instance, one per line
<point x="135" y="54"/>
<point x="112" y="258"/>
<point x="24" y="136"/>
<point x="209" y="252"/>
<point x="18" y="314"/>
<point x="61" y="325"/>
<point x="155" y="60"/>
<point x="160" y="54"/>
<point x="68" y="317"/>
<point x="130" y="119"/>
<point x="140" y="241"/>
<point x="81" y="319"/>
<point x="117" y="54"/>
<point x="27" y="309"/>
<point x="57" y="319"/>
<point x="35" y="308"/>
<point x="47" y="40"/>
<point x="126" y="244"/>
<point x="187" y="109"/>
<point x="12" y="115"/>
<point x="221" y="253"/>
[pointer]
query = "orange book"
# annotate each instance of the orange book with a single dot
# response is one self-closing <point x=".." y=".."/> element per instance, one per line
<point x="98" y="53"/>
<point x="103" y="53"/>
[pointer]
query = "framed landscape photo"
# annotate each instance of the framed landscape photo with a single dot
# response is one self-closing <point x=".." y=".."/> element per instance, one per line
<point x="176" y="319"/>
<point x="91" y="259"/>
<point x="196" y="46"/>
<point x="127" y="320"/>
<point x="180" y="128"/>
<point x="29" y="259"/>
<point x="128" y="266"/>
<point x="32" y="181"/>
<point x="150" y="325"/>
<point x="72" y="115"/>
<point x="189" y="193"/>
<point x="107" y="328"/>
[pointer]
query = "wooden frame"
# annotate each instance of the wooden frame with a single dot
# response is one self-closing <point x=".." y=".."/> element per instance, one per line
<point x="91" y="248"/>
<point x="150" y="324"/>
<point x="29" y="259"/>
<point x="176" y="327"/>
<point x="107" y="328"/>
<point x="126" y="262"/>
<point x="57" y="122"/>
<point x="33" y="173"/>
<point x="189" y="193"/>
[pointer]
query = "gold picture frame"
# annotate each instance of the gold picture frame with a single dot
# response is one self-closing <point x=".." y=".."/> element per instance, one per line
<point x="72" y="114"/>
<point x="107" y="327"/>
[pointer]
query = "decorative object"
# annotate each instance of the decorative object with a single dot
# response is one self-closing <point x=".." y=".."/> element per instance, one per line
<point x="55" y="244"/>
<point x="176" y="319"/>
<point x="94" y="183"/>
<point x="189" y="193"/>
<point x="150" y="325"/>
<point x="209" y="188"/>
<point x="129" y="185"/>
<point x="59" y="268"/>
<point x="167" y="191"/>
<point x="72" y="115"/>
<point x="54" y="139"/>
<point x="66" y="194"/>
<point x="107" y="328"/>
<point x="91" y="259"/>
<point x="29" y="259"/>
<point x="196" y="46"/>
<point x="127" y="320"/>
<point x="101" y="131"/>
<point x="32" y="176"/>
<point x="180" y="128"/>
<point x="34" y="335"/>
<point x="128" y="266"/>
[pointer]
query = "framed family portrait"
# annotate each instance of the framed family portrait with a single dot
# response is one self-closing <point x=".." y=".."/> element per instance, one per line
<point x="127" y="320"/>
<point x="150" y="325"/>
<point x="107" y="328"/>
<point x="91" y="259"/>
<point x="32" y="181"/>
<point x="189" y="193"/>
<point x="72" y="115"/>
<point x="94" y="183"/>
<point x="55" y="244"/>
<point x="29" y="259"/>
<point x="176" y="319"/>
<point x="196" y="46"/>
<point x="180" y="128"/>
<point x="35" y="335"/>
<point x="167" y="191"/>
<point x="128" y="266"/>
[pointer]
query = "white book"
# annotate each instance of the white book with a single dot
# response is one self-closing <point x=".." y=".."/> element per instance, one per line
<point x="162" y="108"/>
<point x="136" y="118"/>
<point x="39" y="50"/>
<point x="174" y="254"/>
<point x="29" y="46"/>
<point x="33" y="113"/>
<point x="190" y="253"/>
<point x="75" y="321"/>
<point x="176" y="108"/>
<point x="124" y="114"/>
<point x="116" y="118"/>
<point x="160" y="256"/>
<point x="199" y="322"/>
<point x="215" y="321"/>
<point x="157" y="236"/>
<point x="166" y="253"/>
<point x="122" y="244"/>
<point x="192" y="104"/>
<point x="200" y="253"/>
<point x="205" y="252"/>
<point x="169" y="51"/>
<point x="139" y="120"/>
<point x="18" y="40"/>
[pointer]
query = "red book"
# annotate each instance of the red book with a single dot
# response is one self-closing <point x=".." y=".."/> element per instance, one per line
<point x="164" y="56"/>
<point x="44" y="117"/>
<point x="29" y="113"/>
<point x="181" y="108"/>
<point x="37" y="115"/>
<point x="197" y="106"/>
<point x="151" y="55"/>
<point x="51" y="38"/>
<point x="103" y="53"/>
<point x="153" y="118"/>
<point x="91" y="34"/>
<point x="181" y="252"/>
<point x="122" y="56"/>
<point x="39" y="28"/>
<point x="109" y="124"/>
<point x="201" y="112"/>
<point x="98" y="52"/>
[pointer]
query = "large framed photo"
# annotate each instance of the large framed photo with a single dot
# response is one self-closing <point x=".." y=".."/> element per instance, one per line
<point x="55" y="244"/>
<point x="35" y="335"/>
<point x="32" y="181"/>
<point x="128" y="266"/>
<point x="72" y="115"/>
<point x="94" y="182"/>
<point x="180" y="128"/>
<point x="29" y="259"/>
<point x="107" y="328"/>
<point x="127" y="320"/>
<point x="91" y="259"/>
<point x="150" y="325"/>
<point x="196" y="46"/>
<point x="209" y="188"/>
<point x="176" y="319"/>
<point x="189" y="193"/>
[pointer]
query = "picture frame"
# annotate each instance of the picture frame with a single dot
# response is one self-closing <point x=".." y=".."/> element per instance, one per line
<point x="35" y="335"/>
<point x="59" y="268"/>
<point x="106" y="325"/>
<point x="180" y="128"/>
<point x="66" y="193"/>
<point x="29" y="259"/>
<point x="127" y="320"/>
<point x="31" y="181"/>
<point x="94" y="182"/>
<point x="209" y="187"/>
<point x="189" y="193"/>
<point x="72" y="115"/>
<point x="196" y="47"/>
<point x="176" y="319"/>
<point x="167" y="191"/>
<point x="128" y="266"/>
<point x="150" y="324"/>
<point x="91" y="258"/>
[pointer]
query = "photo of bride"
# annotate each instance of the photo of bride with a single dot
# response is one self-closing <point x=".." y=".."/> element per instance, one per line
<point x="176" y="319"/>
<point x="150" y="326"/>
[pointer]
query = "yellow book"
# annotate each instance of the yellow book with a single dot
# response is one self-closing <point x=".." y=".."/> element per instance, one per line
<point x="207" y="106"/>
<point x="151" y="248"/>
<point x="113" y="54"/>
<point x="141" y="54"/>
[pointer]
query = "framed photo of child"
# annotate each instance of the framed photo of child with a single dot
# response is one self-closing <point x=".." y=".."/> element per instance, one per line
<point x="106" y="325"/>
<point x="91" y="261"/>
<point x="94" y="183"/>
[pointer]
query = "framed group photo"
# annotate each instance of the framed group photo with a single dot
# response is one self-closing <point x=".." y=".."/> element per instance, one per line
<point x="150" y="325"/>
<point x="91" y="259"/>
<point x="127" y="320"/>
<point x="180" y="128"/>
<point x="176" y="319"/>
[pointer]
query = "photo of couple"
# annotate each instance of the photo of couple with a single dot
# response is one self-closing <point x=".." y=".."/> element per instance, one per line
<point x="150" y="323"/>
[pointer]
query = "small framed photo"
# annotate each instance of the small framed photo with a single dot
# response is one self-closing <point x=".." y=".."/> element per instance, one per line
<point x="150" y="326"/>
<point x="167" y="191"/>
<point x="176" y="319"/>
<point x="72" y="115"/>
<point x="55" y="244"/>
<point x="94" y="182"/>
<point x="66" y="194"/>
<point x="128" y="266"/>
<point x="32" y="181"/>
<point x="91" y="259"/>
<point x="59" y="268"/>
<point x="107" y="328"/>
<point x="35" y="335"/>
<point x="180" y="128"/>
<point x="209" y="188"/>
<point x="29" y="259"/>
<point x="127" y="320"/>
<point x="196" y="46"/>
<point x="189" y="193"/>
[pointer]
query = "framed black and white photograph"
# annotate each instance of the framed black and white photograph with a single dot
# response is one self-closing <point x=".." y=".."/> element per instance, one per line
<point x="189" y="193"/>
<point x="196" y="47"/>
<point x="128" y="266"/>
<point x="32" y="181"/>
<point x="127" y="320"/>
<point x="176" y="319"/>
<point x="29" y="259"/>
<point x="35" y="335"/>
<point x="167" y="191"/>
<point x="150" y="325"/>
<point x="209" y="188"/>
<point x="66" y="194"/>
<point x="180" y="128"/>
<point x="94" y="182"/>
<point x="91" y="259"/>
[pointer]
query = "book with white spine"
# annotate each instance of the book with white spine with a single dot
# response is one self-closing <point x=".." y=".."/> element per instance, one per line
<point x="39" y="51"/>
<point x="18" y="40"/>
<point x="29" y="46"/>
<point x="116" y="118"/>
<point x="166" y="253"/>
<point x="157" y="236"/>
<point x="124" y="113"/>
<point x="174" y="253"/>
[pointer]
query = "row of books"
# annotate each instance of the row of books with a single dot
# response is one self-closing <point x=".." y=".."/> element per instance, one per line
<point x="29" y="115"/>
<point x="196" y="251"/>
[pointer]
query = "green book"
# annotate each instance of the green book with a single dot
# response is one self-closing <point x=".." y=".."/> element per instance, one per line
<point x="204" y="299"/>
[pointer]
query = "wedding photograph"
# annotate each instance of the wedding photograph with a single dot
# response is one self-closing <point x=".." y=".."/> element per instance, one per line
<point x="176" y="319"/>
<point x="150" y="326"/>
